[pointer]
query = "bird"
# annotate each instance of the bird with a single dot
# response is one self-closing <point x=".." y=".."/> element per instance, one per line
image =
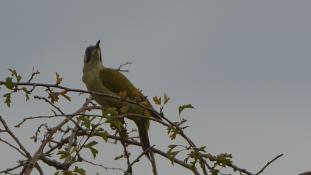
<point x="99" y="78"/>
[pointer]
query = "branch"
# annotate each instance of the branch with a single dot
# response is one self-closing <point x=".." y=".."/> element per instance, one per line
<point x="7" y="129"/>
<point x="137" y="159"/>
<point x="48" y="138"/>
<point x="163" y="154"/>
<point x="268" y="163"/>
<point x="102" y="166"/>
<point x="166" y="122"/>
<point x="14" y="147"/>
<point x="122" y="65"/>
<point x="11" y="169"/>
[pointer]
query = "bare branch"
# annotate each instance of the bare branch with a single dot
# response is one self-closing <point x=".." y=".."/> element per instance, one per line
<point x="49" y="137"/>
<point x="14" y="147"/>
<point x="7" y="171"/>
<point x="138" y="157"/>
<point x="122" y="65"/>
<point x="14" y="137"/>
<point x="102" y="166"/>
<point x="268" y="163"/>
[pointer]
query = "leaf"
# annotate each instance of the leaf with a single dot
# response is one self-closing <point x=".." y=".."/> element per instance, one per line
<point x="183" y="107"/>
<point x="63" y="154"/>
<point x="81" y="171"/>
<point x="224" y="159"/>
<point x="7" y="100"/>
<point x="172" y="132"/>
<point x="53" y="96"/>
<point x="14" y="73"/>
<point x="172" y="146"/>
<point x="18" y="78"/>
<point x="157" y="100"/>
<point x="59" y="79"/>
<point x="27" y="93"/>
<point x="85" y="121"/>
<point x="92" y="149"/>
<point x="118" y="157"/>
<point x="90" y="144"/>
<point x="214" y="172"/>
<point x="9" y="83"/>
<point x="171" y="155"/>
<point x="94" y="152"/>
<point x="63" y="93"/>
<point x="166" y="98"/>
<point x="104" y="135"/>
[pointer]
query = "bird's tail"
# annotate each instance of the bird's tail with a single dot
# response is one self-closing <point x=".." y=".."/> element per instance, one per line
<point x="143" y="135"/>
<point x="144" y="139"/>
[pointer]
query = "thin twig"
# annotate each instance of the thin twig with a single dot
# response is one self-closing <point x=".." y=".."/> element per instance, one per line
<point x="163" y="154"/>
<point x="14" y="137"/>
<point x="102" y="166"/>
<point x="138" y="157"/>
<point x="11" y="169"/>
<point x="14" y="147"/>
<point x="268" y="163"/>
<point x="122" y="65"/>
<point x="49" y="137"/>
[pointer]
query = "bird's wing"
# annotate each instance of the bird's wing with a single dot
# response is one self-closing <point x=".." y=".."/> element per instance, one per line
<point x="116" y="82"/>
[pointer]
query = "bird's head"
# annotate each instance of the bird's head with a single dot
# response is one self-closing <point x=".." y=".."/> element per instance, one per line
<point x="93" y="54"/>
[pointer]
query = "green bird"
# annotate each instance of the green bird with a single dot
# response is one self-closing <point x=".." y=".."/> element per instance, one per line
<point x="110" y="81"/>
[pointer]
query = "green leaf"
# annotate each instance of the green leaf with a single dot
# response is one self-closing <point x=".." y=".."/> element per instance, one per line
<point x="59" y="79"/>
<point x="92" y="149"/>
<point x="7" y="100"/>
<point x="53" y="96"/>
<point x="224" y="159"/>
<point x="85" y="121"/>
<point x="118" y="157"/>
<point x="201" y="149"/>
<point x="104" y="135"/>
<point x="9" y="83"/>
<point x="81" y="171"/>
<point x="14" y="73"/>
<point x="183" y="107"/>
<point x="171" y="155"/>
<point x="172" y="146"/>
<point x="214" y="172"/>
<point x="90" y="144"/>
<point x="63" y="93"/>
<point x="157" y="100"/>
<point x="166" y="98"/>
<point x="18" y="78"/>
<point x="27" y="93"/>
<point x="63" y="154"/>
<point x="172" y="132"/>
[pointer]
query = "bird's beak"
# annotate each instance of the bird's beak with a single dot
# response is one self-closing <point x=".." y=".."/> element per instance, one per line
<point x="97" y="44"/>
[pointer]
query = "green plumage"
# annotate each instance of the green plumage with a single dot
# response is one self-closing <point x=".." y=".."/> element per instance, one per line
<point x="116" y="82"/>
<point x="110" y="81"/>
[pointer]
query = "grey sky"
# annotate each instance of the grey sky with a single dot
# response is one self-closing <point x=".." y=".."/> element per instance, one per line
<point x="244" y="65"/>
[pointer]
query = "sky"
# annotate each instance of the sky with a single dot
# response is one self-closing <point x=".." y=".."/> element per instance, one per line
<point x="244" y="65"/>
